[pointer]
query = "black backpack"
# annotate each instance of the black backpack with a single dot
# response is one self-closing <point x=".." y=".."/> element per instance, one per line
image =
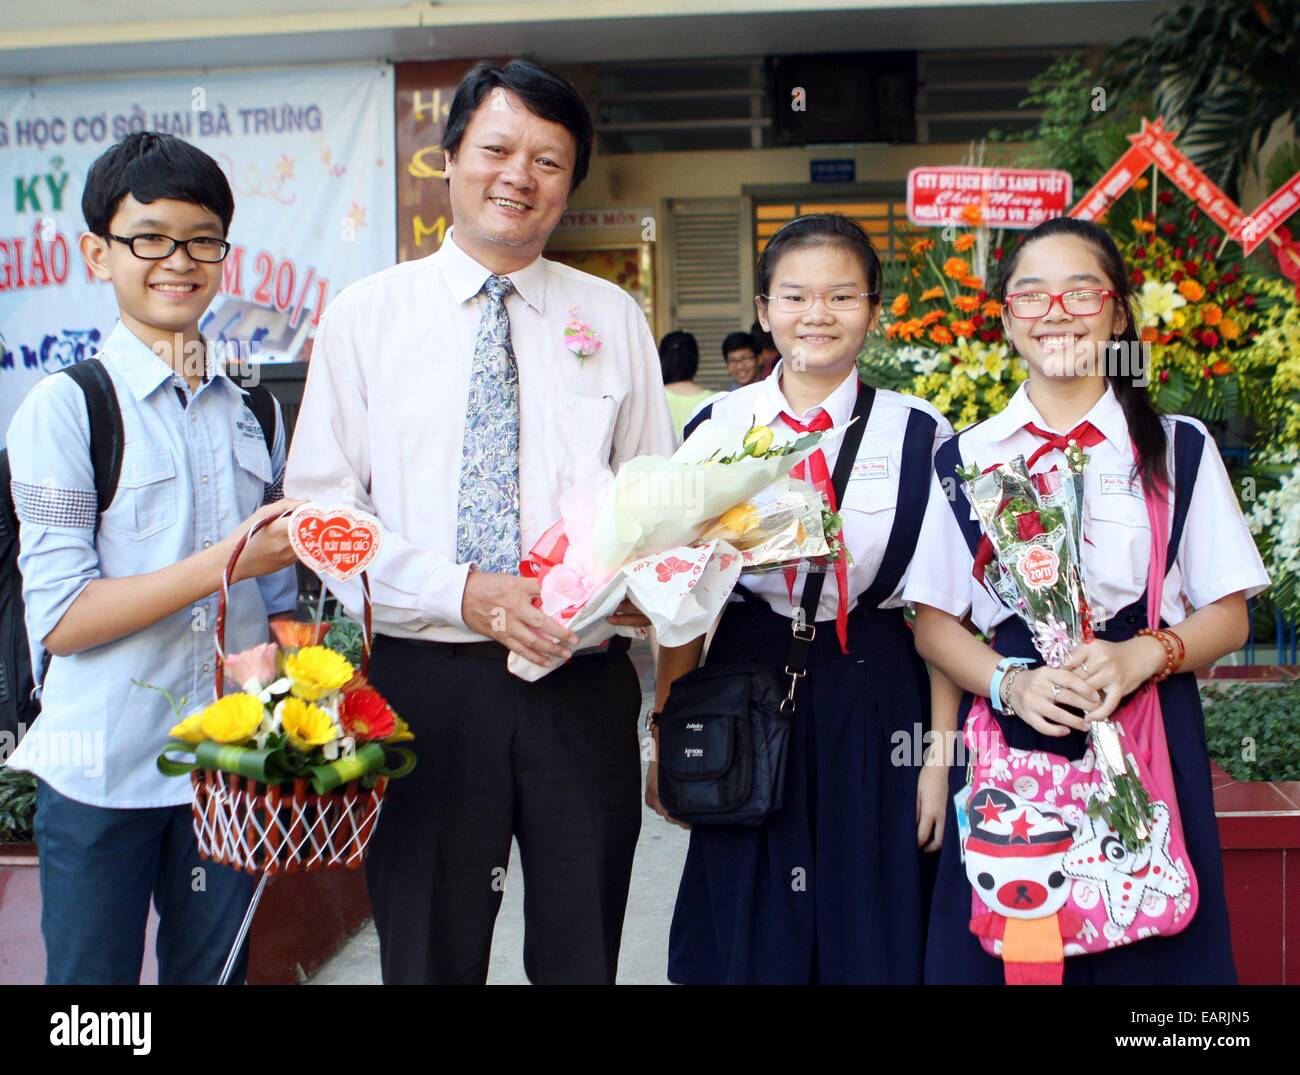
<point x="18" y="709"/>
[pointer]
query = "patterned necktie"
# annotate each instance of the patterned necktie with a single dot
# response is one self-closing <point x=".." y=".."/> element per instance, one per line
<point x="487" y="518"/>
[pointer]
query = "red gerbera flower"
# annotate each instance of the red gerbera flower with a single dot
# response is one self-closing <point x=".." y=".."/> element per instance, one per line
<point x="364" y="714"/>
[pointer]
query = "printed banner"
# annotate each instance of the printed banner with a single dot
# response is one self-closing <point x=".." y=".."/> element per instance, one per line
<point x="1121" y="175"/>
<point x="1006" y="197"/>
<point x="309" y="156"/>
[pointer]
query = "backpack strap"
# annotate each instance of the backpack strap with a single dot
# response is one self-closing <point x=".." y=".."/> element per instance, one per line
<point x="913" y="494"/>
<point x="260" y="401"/>
<point x="702" y="415"/>
<point x="1189" y="447"/>
<point x="107" y="438"/>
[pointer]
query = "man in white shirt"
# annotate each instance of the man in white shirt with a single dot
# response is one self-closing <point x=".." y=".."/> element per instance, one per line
<point x="456" y="398"/>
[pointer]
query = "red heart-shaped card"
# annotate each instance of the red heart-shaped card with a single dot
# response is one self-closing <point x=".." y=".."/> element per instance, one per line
<point x="334" y="541"/>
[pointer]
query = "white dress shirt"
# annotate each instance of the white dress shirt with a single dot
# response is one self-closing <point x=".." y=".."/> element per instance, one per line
<point x="383" y="416"/>
<point x="870" y="496"/>
<point x="1216" y="557"/>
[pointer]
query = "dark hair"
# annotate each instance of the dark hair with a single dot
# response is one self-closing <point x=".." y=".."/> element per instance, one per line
<point x="762" y="337"/>
<point x="738" y="341"/>
<point x="821" y="229"/>
<point x="1144" y="425"/>
<point x="545" y="93"/>
<point x="149" y="166"/>
<point x="679" y="357"/>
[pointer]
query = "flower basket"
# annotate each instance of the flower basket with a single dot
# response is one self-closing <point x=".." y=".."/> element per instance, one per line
<point x="269" y="808"/>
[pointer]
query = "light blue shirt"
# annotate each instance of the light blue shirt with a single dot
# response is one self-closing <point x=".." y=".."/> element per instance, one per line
<point x="190" y="474"/>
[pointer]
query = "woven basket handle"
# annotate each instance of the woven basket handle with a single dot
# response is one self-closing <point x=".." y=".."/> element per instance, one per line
<point x="223" y="596"/>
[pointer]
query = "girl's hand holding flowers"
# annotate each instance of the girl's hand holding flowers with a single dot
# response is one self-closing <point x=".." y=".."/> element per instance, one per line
<point x="1037" y="695"/>
<point x="1116" y="668"/>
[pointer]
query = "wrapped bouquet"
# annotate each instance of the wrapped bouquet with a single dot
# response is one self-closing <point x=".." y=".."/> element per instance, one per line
<point x="672" y="534"/>
<point x="1033" y="561"/>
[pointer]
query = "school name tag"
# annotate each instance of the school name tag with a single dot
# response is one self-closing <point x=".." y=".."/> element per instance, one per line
<point x="870" y="469"/>
<point x="1120" y="483"/>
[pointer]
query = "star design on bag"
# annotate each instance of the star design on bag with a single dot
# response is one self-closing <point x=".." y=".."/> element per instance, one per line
<point x="1123" y="876"/>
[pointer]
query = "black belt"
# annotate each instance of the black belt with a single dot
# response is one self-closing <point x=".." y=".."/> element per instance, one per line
<point x="494" y="651"/>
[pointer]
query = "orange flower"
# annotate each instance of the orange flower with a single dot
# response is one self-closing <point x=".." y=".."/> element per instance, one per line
<point x="900" y="305"/>
<point x="910" y="330"/>
<point x="891" y="330"/>
<point x="966" y="303"/>
<point x="1191" y="290"/>
<point x="931" y="293"/>
<point x="930" y="318"/>
<point x="1141" y="183"/>
<point x="963" y="243"/>
<point x="962" y="328"/>
<point x="972" y="215"/>
<point x="940" y="335"/>
<point x="1229" y="329"/>
<point x="992" y="308"/>
<point x="1142" y="226"/>
<point x="1149" y="335"/>
<point x="1220" y="368"/>
<point x="922" y="245"/>
<point x="975" y="283"/>
<point x="1211" y="314"/>
<point x="956" y="267"/>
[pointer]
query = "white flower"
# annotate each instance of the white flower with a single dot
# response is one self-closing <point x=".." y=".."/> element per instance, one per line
<point x="1159" y="300"/>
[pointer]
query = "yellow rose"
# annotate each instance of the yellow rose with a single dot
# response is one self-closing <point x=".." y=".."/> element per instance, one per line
<point x="740" y="520"/>
<point x="232" y="719"/>
<point x="190" y="729"/>
<point x="315" y="671"/>
<point x="306" y="725"/>
<point x="757" y="440"/>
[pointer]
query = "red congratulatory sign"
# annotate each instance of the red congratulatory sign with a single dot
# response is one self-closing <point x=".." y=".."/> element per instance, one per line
<point x="1006" y="197"/>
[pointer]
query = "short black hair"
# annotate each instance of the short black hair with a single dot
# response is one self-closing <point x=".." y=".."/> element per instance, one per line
<point x="544" y="92"/>
<point x="762" y="337"/>
<point x="737" y="341"/>
<point x="149" y="166"/>
<point x="679" y="356"/>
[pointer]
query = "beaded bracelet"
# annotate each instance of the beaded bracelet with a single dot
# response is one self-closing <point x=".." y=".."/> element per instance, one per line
<point x="1173" y="661"/>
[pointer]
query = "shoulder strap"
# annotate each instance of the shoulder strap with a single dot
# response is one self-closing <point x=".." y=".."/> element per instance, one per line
<point x="699" y="416"/>
<point x="262" y="404"/>
<point x="106" y="434"/>
<point x="1189" y="444"/>
<point x="814" y="581"/>
<point x="946" y="462"/>
<point x="913" y="495"/>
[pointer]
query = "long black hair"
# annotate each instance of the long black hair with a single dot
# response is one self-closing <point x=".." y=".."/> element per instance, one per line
<point x="1144" y="425"/>
<point x="821" y="229"/>
<point x="679" y="356"/>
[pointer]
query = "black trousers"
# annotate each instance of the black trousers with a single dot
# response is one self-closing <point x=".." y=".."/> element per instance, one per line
<point x="554" y="764"/>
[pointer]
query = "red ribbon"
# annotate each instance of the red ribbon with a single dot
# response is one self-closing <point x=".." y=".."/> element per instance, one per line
<point x="821" y="480"/>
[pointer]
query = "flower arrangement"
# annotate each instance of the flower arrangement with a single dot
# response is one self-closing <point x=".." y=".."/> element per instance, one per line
<point x="943" y="338"/>
<point x="301" y="711"/>
<point x="1274" y="519"/>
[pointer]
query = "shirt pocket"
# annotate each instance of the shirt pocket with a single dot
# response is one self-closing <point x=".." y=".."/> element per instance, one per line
<point x="252" y="473"/>
<point x="145" y="502"/>
<point x="1119" y="530"/>
<point x="587" y="427"/>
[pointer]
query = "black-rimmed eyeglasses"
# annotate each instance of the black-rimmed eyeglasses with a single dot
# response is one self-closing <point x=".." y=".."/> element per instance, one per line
<point x="157" y="247"/>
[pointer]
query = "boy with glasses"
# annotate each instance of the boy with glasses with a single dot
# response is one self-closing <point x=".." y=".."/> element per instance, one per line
<point x="122" y="593"/>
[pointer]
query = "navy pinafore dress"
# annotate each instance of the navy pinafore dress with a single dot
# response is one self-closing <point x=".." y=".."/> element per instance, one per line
<point x="1202" y="953"/>
<point x="832" y="888"/>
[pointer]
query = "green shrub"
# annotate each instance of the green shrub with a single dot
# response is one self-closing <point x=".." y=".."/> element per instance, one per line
<point x="17" y="805"/>
<point x="1253" y="732"/>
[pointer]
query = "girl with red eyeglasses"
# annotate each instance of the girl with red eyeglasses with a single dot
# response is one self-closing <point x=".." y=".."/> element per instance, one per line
<point x="1070" y="315"/>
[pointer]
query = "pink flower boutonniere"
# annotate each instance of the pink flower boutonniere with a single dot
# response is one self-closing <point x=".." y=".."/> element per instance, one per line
<point x="580" y="338"/>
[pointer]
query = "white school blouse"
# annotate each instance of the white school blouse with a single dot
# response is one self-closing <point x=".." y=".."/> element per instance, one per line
<point x="871" y="493"/>
<point x="1216" y="557"/>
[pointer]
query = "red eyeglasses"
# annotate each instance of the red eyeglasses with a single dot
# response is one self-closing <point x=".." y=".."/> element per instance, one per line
<point x="1081" y="302"/>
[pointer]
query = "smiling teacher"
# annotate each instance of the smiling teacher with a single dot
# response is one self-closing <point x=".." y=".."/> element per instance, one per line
<point x="445" y="397"/>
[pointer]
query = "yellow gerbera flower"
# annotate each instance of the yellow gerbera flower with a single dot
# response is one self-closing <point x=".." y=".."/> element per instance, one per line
<point x="232" y="719"/>
<point x="307" y="726"/>
<point x="190" y="729"/>
<point x="315" y="671"/>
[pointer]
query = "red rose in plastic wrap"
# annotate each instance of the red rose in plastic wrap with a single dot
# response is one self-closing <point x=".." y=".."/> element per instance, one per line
<point x="1028" y="525"/>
